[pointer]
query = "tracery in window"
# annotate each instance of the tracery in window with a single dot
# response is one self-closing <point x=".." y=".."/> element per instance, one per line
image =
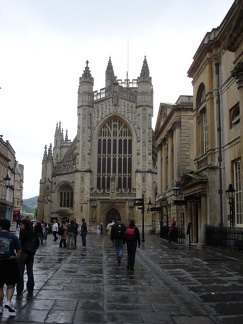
<point x="66" y="196"/>
<point x="114" y="162"/>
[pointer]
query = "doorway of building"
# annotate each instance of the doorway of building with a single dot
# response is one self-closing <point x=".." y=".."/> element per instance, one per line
<point x="112" y="214"/>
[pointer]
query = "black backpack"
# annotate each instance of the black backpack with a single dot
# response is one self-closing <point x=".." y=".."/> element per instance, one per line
<point x="119" y="232"/>
<point x="60" y="230"/>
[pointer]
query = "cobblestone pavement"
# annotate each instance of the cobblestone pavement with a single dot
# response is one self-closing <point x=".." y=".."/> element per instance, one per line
<point x="170" y="284"/>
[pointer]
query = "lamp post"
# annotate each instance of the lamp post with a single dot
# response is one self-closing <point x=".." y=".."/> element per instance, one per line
<point x="3" y="200"/>
<point x="230" y="194"/>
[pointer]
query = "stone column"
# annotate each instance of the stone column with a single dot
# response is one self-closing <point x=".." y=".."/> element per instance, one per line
<point x="177" y="151"/>
<point x="159" y="189"/>
<point x="170" y="159"/>
<point x="163" y="174"/>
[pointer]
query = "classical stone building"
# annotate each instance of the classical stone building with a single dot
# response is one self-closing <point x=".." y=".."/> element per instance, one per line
<point x="216" y="74"/>
<point x="211" y="160"/>
<point x="215" y="151"/>
<point x="18" y="190"/>
<point x="174" y="133"/>
<point x="11" y="182"/>
<point x="111" y="161"/>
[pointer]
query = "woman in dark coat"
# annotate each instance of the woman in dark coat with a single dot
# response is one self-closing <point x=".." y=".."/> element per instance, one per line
<point x="26" y="234"/>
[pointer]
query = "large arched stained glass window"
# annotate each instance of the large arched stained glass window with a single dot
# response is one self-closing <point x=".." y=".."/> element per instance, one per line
<point x="114" y="161"/>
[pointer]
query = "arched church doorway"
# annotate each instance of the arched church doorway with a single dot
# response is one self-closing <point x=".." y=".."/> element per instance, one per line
<point x="112" y="214"/>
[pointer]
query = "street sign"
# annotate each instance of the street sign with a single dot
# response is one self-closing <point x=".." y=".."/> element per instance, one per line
<point x="139" y="202"/>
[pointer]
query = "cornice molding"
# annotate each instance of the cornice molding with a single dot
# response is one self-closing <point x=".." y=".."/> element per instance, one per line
<point x="237" y="73"/>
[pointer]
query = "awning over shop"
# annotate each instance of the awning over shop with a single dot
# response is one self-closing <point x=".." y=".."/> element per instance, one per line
<point x="16" y="212"/>
<point x="3" y="207"/>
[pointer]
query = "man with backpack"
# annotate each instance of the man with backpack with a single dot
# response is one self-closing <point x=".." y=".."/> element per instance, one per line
<point x="132" y="238"/>
<point x="118" y="238"/>
<point x="10" y="255"/>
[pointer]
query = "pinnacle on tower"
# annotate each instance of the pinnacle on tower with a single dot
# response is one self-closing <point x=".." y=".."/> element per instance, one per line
<point x="50" y="153"/>
<point x="145" y="70"/>
<point x="86" y="74"/>
<point x="109" y="74"/>
<point x="85" y="89"/>
<point x="66" y="137"/>
<point x="45" y="153"/>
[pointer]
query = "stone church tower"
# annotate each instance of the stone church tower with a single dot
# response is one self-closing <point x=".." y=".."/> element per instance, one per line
<point x="111" y="161"/>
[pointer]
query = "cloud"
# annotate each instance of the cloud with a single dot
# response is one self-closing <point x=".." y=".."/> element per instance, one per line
<point x="45" y="44"/>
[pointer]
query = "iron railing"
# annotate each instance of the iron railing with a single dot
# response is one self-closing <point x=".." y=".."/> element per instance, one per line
<point x="178" y="235"/>
<point x="225" y="237"/>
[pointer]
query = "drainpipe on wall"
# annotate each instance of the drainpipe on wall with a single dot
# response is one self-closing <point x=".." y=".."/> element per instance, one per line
<point x="219" y="129"/>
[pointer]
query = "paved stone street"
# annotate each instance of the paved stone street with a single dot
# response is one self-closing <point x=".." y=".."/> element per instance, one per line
<point x="170" y="284"/>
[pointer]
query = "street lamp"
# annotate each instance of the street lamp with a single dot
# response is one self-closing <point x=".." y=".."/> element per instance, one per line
<point x="7" y="181"/>
<point x="230" y="194"/>
<point x="3" y="194"/>
<point x="176" y="191"/>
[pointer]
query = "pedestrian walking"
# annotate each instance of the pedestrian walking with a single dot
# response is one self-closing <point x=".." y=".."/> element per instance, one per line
<point x="108" y="228"/>
<point x="101" y="229"/>
<point x="171" y="234"/>
<point x="71" y="230"/>
<point x="132" y="238"/>
<point x="76" y="232"/>
<point x="29" y="243"/>
<point x="10" y="253"/>
<point x="55" y="230"/>
<point x="45" y="230"/>
<point x="62" y="231"/>
<point x="83" y="232"/>
<point x="118" y="238"/>
<point x="38" y="229"/>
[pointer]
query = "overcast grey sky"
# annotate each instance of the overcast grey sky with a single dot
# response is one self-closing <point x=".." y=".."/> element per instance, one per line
<point x="44" y="45"/>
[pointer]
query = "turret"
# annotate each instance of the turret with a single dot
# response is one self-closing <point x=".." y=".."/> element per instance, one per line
<point x="58" y="138"/>
<point x="85" y="90"/>
<point x="66" y="137"/>
<point x="109" y="74"/>
<point x="44" y="164"/>
<point x="49" y="156"/>
<point x="47" y="163"/>
<point x="145" y="88"/>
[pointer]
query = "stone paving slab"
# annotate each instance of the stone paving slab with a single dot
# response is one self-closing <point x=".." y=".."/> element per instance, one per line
<point x="170" y="284"/>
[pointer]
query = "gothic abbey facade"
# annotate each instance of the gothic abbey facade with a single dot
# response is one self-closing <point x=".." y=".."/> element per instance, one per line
<point x="112" y="160"/>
